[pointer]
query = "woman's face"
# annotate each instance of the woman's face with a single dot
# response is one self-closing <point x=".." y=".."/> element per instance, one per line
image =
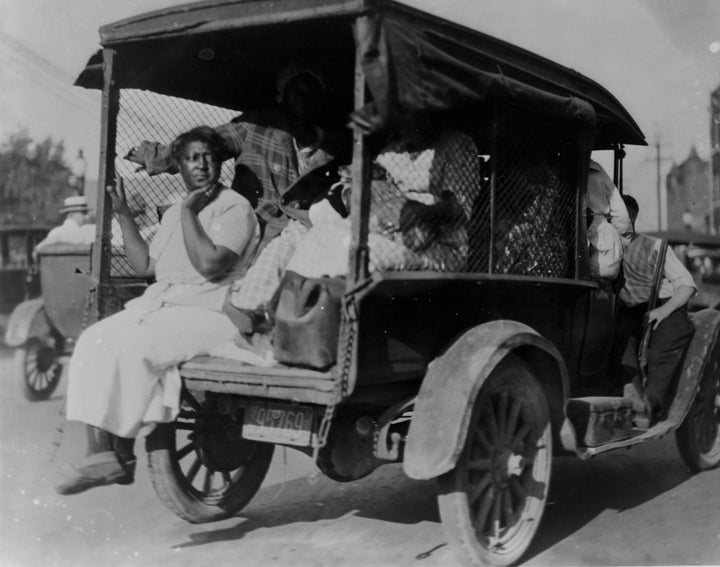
<point x="198" y="166"/>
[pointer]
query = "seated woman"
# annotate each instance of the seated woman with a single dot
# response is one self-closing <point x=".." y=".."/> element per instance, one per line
<point x="124" y="374"/>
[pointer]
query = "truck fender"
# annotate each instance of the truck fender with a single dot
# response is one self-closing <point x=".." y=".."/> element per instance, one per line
<point x="27" y="320"/>
<point x="697" y="356"/>
<point x="450" y="389"/>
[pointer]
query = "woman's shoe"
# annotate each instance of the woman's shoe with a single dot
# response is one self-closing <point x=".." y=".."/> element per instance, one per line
<point x="100" y="469"/>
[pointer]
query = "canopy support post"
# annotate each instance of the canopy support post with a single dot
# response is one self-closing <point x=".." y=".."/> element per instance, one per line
<point x="360" y="199"/>
<point x="100" y="267"/>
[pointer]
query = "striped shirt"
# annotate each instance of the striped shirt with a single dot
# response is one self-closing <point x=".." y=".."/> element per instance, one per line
<point x="639" y="261"/>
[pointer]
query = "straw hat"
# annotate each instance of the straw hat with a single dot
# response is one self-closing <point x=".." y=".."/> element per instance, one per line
<point x="76" y="203"/>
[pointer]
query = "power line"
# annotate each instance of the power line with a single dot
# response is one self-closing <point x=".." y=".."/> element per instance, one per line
<point x="89" y="110"/>
<point x="59" y="80"/>
<point x="62" y="81"/>
<point x="62" y="75"/>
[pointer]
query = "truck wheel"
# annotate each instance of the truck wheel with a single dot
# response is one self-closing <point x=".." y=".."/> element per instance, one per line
<point x="698" y="438"/>
<point x="36" y="362"/>
<point x="200" y="467"/>
<point x="491" y="503"/>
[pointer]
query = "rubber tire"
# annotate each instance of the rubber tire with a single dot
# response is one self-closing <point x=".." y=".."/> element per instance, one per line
<point x="513" y="378"/>
<point x="48" y="377"/>
<point x="172" y="487"/>
<point x="698" y="447"/>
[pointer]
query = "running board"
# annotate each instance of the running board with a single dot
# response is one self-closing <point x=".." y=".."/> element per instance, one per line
<point x="702" y="356"/>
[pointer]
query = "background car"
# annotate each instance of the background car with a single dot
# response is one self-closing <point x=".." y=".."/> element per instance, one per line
<point x="701" y="255"/>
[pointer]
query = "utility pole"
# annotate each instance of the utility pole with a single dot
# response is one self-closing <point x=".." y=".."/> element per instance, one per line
<point x="658" y="180"/>
<point x="657" y="170"/>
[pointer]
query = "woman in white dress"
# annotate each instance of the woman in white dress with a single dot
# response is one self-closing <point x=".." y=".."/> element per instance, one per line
<point x="124" y="375"/>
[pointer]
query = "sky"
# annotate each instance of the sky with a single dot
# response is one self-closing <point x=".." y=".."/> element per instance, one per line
<point x="660" y="58"/>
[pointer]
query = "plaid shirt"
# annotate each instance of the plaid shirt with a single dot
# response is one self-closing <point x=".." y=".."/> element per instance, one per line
<point x="639" y="260"/>
<point x="266" y="161"/>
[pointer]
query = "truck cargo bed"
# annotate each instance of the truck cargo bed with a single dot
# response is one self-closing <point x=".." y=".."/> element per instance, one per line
<point x="212" y="374"/>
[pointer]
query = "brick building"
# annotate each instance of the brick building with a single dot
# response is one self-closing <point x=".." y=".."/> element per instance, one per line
<point x="715" y="155"/>
<point x="688" y="195"/>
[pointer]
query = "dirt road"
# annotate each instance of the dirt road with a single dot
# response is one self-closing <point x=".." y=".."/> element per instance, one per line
<point x="638" y="507"/>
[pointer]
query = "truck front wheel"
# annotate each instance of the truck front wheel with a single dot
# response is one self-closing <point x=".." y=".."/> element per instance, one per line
<point x="491" y="503"/>
<point x="698" y="438"/>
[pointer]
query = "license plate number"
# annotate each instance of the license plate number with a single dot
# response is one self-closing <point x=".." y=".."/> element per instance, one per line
<point x="291" y="425"/>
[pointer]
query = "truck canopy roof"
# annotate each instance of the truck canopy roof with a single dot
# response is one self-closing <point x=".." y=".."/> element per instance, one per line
<point x="226" y="52"/>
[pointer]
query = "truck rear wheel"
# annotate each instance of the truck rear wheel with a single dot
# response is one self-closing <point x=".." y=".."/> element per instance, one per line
<point x="491" y="503"/>
<point x="200" y="467"/>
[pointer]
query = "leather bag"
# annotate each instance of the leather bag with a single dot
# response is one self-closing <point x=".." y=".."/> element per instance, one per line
<point x="307" y="321"/>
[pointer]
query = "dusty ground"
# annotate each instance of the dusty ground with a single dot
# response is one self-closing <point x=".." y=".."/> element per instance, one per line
<point x="638" y="507"/>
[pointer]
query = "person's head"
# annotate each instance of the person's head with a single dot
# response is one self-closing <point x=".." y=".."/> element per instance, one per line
<point x="632" y="208"/>
<point x="198" y="155"/>
<point x="76" y="208"/>
<point x="419" y="132"/>
<point x="300" y="92"/>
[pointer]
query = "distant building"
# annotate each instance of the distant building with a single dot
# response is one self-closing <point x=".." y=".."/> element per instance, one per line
<point x="688" y="195"/>
<point x="715" y="155"/>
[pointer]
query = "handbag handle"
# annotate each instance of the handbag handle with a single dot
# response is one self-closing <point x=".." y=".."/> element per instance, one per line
<point x="308" y="296"/>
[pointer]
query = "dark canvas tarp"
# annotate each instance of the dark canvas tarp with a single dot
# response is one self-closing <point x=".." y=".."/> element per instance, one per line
<point x="411" y="69"/>
<point x="414" y="61"/>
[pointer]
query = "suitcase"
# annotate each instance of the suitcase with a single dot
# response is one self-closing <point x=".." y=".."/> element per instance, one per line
<point x="599" y="420"/>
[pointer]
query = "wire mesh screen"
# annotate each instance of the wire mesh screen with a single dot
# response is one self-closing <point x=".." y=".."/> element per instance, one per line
<point x="433" y="207"/>
<point x="535" y="199"/>
<point x="526" y="225"/>
<point x="148" y="116"/>
<point x="422" y="198"/>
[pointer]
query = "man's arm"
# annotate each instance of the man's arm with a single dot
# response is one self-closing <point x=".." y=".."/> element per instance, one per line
<point x="683" y="286"/>
<point x="52" y="237"/>
<point x="681" y="296"/>
<point x="619" y="217"/>
<point x="152" y="157"/>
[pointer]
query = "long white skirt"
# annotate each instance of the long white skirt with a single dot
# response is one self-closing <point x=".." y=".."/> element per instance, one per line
<point x="124" y="375"/>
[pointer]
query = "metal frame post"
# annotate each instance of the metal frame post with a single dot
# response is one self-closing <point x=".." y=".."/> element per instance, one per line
<point x="100" y="266"/>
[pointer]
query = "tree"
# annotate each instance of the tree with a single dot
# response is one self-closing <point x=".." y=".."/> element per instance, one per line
<point x="33" y="179"/>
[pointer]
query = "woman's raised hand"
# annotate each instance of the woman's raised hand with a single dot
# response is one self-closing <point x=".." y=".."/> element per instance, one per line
<point x="117" y="196"/>
<point x="198" y="199"/>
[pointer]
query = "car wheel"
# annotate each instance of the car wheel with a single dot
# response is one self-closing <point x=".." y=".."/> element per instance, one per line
<point x="698" y="438"/>
<point x="491" y="503"/>
<point x="37" y="365"/>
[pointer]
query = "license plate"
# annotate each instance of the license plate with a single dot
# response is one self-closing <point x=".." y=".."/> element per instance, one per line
<point x="290" y="425"/>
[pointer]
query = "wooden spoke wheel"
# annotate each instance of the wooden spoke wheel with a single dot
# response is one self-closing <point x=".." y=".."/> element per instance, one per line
<point x="698" y="438"/>
<point x="491" y="503"/>
<point x="37" y="365"/>
<point x="200" y="466"/>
